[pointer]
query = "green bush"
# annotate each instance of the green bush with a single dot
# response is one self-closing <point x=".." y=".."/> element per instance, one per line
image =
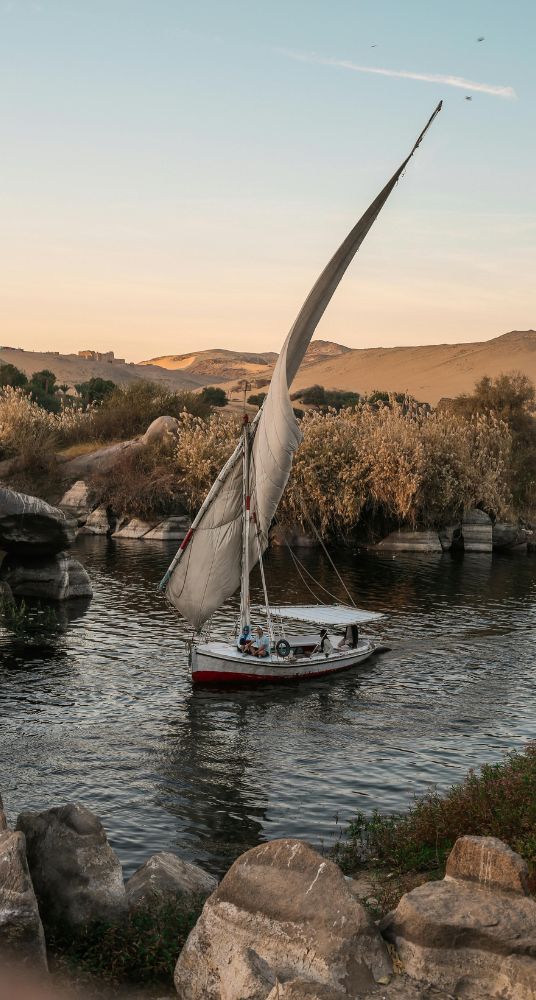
<point x="214" y="396"/>
<point x="141" y="948"/>
<point x="498" y="801"/>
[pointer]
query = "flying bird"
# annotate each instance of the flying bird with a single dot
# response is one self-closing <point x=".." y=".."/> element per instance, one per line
<point x="467" y="98"/>
<point x="481" y="39"/>
<point x="375" y="46"/>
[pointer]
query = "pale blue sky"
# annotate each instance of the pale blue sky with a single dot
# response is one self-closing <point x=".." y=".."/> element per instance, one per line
<point x="174" y="174"/>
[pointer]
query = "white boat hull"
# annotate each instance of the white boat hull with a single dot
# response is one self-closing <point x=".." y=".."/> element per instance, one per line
<point x="223" y="663"/>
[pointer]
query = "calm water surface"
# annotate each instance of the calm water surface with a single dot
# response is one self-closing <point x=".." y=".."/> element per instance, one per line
<point x="105" y="713"/>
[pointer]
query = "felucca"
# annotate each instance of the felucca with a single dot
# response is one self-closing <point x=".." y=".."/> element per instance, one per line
<point x="230" y="532"/>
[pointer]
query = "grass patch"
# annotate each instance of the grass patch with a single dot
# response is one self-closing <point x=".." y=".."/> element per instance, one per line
<point x="141" y="948"/>
<point x="497" y="801"/>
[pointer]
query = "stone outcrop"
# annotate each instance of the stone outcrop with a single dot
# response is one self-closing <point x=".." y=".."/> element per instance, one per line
<point x="296" y="537"/>
<point x="477" y="531"/>
<point x="83" y="466"/>
<point x="21" y="933"/>
<point x="510" y="536"/>
<point x="31" y="527"/>
<point x="282" y="912"/>
<point x="76" y="875"/>
<point x="160" y="429"/>
<point x="135" y="528"/>
<point x="55" y="578"/>
<point x="451" y="537"/>
<point x="76" y="501"/>
<point x="173" y="529"/>
<point x="474" y="933"/>
<point x="163" y="877"/>
<point x="97" y="522"/>
<point x="410" y="541"/>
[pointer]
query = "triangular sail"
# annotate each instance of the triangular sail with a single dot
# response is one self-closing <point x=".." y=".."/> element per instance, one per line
<point x="207" y="568"/>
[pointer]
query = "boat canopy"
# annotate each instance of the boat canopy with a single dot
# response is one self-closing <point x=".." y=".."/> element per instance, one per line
<point x="325" y="614"/>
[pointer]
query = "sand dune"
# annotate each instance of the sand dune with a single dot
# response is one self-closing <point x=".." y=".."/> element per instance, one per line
<point x="427" y="373"/>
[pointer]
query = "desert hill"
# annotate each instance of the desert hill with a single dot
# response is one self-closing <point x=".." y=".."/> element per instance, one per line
<point x="70" y="368"/>
<point x="225" y="366"/>
<point x="427" y="373"/>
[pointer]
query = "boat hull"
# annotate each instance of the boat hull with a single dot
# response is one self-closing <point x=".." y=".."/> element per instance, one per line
<point x="221" y="663"/>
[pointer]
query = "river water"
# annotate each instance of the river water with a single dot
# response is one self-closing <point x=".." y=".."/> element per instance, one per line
<point x="100" y="708"/>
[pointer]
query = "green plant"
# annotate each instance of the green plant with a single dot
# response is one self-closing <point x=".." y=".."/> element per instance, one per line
<point x="10" y="375"/>
<point x="142" y="947"/>
<point x="23" y="621"/>
<point x="498" y="801"/>
<point x="214" y="396"/>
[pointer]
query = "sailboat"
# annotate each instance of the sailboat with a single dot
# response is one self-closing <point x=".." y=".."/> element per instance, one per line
<point x="230" y="533"/>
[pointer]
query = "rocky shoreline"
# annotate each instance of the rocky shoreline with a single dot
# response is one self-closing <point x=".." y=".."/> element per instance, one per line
<point x="284" y="923"/>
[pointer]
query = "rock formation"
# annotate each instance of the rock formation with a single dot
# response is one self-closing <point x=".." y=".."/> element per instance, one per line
<point x="474" y="933"/>
<point x="163" y="877"/>
<point x="35" y="536"/>
<point x="21" y="933"/>
<point x="282" y="912"/>
<point x="160" y="429"/>
<point x="477" y="531"/>
<point x="76" y="875"/>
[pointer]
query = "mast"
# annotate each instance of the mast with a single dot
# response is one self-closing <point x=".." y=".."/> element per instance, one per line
<point x="246" y="503"/>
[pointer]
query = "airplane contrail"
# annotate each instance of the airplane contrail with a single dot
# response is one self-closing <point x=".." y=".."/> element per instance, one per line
<point x="446" y="79"/>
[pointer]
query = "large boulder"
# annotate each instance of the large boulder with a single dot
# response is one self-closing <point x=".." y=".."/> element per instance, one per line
<point x="135" y="528"/>
<point x="510" y="536"/>
<point x="100" y="460"/>
<point x="173" y="529"/>
<point x="477" y="531"/>
<point x="489" y="863"/>
<point x="56" y="578"/>
<point x="282" y="912"/>
<point x="76" y="875"/>
<point x="295" y="536"/>
<point x="410" y="541"/>
<point x="21" y="933"/>
<point x="160" y="429"/>
<point x="166" y="877"/>
<point x="474" y="933"/>
<point x="30" y="527"/>
<point x="76" y="501"/>
<point x="303" y="989"/>
<point x="450" y="537"/>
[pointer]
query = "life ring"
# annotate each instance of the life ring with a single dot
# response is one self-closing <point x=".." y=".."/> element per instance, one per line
<point x="282" y="648"/>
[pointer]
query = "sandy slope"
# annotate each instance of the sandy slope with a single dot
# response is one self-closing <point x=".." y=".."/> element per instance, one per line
<point x="69" y="368"/>
<point x="223" y="366"/>
<point x="428" y="373"/>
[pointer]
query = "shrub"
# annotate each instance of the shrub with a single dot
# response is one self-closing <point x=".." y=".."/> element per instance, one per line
<point x="95" y="390"/>
<point x="141" y="948"/>
<point x="10" y="375"/>
<point x="316" y="395"/>
<point x="144" y="482"/>
<point x="128" y="410"/>
<point x="214" y="396"/>
<point x="257" y="399"/>
<point x="498" y="801"/>
<point x="203" y="448"/>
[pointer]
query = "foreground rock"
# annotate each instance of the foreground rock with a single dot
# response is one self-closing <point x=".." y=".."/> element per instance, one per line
<point x="166" y="877"/>
<point x="474" y="933"/>
<point x="282" y="912"/>
<point x="56" y="578"/>
<point x="98" y="522"/>
<point x="76" y="875"/>
<point x="303" y="989"/>
<point x="135" y="528"/>
<point x="75" y="502"/>
<point x="100" y="460"/>
<point x="21" y="933"/>
<point x="3" y="820"/>
<point x="173" y="529"/>
<point x="31" y="527"/>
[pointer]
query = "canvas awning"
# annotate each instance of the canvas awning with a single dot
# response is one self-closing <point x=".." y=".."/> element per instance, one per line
<point x="324" y="614"/>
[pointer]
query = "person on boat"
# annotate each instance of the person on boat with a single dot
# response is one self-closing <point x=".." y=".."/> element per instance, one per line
<point x="350" y="638"/>
<point x="325" y="645"/>
<point x="260" y="645"/>
<point x="245" y="639"/>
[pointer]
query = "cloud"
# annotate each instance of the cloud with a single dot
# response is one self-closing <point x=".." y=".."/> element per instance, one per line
<point x="446" y="80"/>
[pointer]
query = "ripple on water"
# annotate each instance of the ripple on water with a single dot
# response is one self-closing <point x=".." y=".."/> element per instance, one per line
<point x="105" y="713"/>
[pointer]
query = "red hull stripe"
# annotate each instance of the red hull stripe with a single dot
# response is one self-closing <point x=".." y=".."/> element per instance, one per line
<point x="231" y="677"/>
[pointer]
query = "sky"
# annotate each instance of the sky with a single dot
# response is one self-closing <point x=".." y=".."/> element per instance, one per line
<point x="174" y="174"/>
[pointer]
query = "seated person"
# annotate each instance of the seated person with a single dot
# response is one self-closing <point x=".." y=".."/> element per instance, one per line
<point x="245" y="638"/>
<point x="261" y="644"/>
<point x="350" y="638"/>
<point x="325" y="645"/>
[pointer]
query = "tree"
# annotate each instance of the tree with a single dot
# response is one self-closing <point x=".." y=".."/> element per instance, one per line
<point x="336" y="399"/>
<point x="214" y="396"/>
<point x="10" y="375"/>
<point x="257" y="399"/>
<point x="43" y="388"/>
<point x="95" y="390"/>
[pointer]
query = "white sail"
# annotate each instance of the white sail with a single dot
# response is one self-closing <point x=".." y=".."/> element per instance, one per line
<point x="207" y="568"/>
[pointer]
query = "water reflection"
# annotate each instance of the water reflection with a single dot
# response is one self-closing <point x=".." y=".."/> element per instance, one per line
<point x="104" y="711"/>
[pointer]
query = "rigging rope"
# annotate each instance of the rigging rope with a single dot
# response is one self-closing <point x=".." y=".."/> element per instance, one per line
<point x="319" y="539"/>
